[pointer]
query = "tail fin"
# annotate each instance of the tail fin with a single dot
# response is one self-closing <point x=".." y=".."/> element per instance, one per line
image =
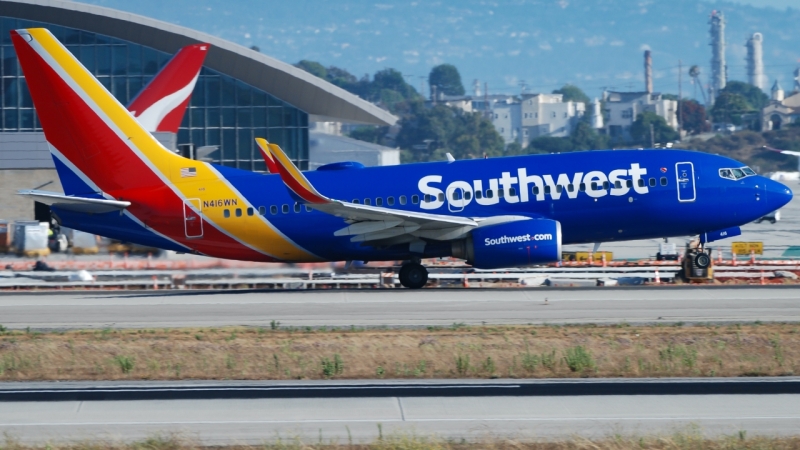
<point x="88" y="130"/>
<point x="160" y="106"/>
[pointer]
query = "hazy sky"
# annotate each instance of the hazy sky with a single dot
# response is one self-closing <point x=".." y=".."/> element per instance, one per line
<point x="773" y="3"/>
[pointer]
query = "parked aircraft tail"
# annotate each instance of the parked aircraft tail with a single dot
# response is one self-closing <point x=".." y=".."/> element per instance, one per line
<point x="160" y="106"/>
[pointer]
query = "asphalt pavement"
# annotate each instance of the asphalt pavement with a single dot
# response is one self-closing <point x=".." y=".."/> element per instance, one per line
<point x="399" y="307"/>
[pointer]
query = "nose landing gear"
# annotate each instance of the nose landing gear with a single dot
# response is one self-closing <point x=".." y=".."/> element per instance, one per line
<point x="413" y="275"/>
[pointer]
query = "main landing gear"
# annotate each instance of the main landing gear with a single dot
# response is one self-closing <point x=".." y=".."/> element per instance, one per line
<point x="413" y="275"/>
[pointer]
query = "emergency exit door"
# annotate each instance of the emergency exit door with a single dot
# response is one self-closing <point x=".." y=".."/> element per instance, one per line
<point x="192" y="218"/>
<point x="684" y="172"/>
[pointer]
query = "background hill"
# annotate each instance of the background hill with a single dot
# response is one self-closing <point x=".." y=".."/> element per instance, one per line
<point x="546" y="43"/>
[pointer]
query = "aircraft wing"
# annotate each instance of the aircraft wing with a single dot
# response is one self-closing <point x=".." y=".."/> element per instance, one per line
<point x="785" y="152"/>
<point x="78" y="204"/>
<point x="375" y="223"/>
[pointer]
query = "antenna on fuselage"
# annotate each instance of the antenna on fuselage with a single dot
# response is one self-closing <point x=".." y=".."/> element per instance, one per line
<point x="450" y="158"/>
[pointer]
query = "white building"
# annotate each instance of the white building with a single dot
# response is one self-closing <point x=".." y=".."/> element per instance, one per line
<point x="622" y="108"/>
<point x="548" y="115"/>
<point x="506" y="120"/>
<point x="781" y="110"/>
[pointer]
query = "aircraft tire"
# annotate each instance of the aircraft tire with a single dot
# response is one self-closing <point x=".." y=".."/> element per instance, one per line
<point x="413" y="276"/>
<point x="702" y="260"/>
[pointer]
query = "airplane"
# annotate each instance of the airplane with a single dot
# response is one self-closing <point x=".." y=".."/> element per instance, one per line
<point x="160" y="106"/>
<point x="516" y="211"/>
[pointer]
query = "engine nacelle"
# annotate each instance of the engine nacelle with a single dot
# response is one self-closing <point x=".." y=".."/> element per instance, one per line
<point x="511" y="244"/>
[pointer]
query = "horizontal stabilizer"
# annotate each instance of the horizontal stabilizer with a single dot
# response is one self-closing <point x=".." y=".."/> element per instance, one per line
<point x="78" y="204"/>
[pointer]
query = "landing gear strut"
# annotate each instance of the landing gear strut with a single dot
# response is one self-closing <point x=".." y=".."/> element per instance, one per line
<point x="413" y="275"/>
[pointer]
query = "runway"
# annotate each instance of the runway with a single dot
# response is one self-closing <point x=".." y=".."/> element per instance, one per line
<point x="398" y="307"/>
<point x="256" y="420"/>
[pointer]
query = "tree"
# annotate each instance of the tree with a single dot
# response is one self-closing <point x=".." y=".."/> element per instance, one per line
<point x="314" y="68"/>
<point x="573" y="93"/>
<point x="583" y="137"/>
<point x="728" y="108"/>
<point x="693" y="115"/>
<point x="446" y="79"/>
<point x="428" y="133"/>
<point x="754" y="96"/>
<point x="662" y="133"/>
<point x="369" y="134"/>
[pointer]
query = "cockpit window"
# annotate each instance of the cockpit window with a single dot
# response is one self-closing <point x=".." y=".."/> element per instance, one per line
<point x="736" y="173"/>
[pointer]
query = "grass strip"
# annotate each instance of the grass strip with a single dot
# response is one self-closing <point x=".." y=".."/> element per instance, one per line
<point x="691" y="440"/>
<point x="458" y="351"/>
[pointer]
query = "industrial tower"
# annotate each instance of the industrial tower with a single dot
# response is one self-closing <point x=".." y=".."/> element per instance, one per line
<point x="719" y="70"/>
<point x="755" y="61"/>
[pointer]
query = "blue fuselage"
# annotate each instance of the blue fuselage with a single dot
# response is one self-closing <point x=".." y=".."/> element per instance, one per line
<point x="597" y="196"/>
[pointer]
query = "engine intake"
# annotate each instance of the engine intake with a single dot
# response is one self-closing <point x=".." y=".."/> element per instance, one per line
<point x="511" y="244"/>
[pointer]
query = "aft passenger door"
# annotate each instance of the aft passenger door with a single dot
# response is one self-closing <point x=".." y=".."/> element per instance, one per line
<point x="684" y="172"/>
<point x="192" y="218"/>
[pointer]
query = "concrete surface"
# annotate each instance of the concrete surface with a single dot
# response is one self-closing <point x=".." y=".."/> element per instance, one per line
<point x="399" y="307"/>
<point x="256" y="421"/>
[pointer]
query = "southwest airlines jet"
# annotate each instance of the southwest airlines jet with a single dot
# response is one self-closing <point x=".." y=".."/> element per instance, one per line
<point x="502" y="212"/>
<point x="160" y="106"/>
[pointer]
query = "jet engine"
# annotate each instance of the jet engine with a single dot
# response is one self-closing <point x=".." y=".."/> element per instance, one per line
<point x="511" y="244"/>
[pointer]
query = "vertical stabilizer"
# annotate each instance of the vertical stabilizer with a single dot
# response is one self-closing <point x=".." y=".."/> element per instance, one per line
<point x="160" y="106"/>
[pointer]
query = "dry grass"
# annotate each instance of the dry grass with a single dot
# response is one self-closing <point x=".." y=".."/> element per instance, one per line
<point x="692" y="440"/>
<point x="453" y="352"/>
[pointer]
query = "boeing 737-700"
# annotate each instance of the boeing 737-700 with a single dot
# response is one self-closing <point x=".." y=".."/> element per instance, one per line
<point x="500" y="212"/>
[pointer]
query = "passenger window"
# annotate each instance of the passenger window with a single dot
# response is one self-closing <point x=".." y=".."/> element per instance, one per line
<point x="285" y="209"/>
<point x="583" y="187"/>
<point x="478" y="194"/>
<point x="663" y="181"/>
<point x="356" y="201"/>
<point x="426" y="198"/>
<point x="367" y="201"/>
<point x="559" y="188"/>
<point x="379" y="201"/>
<point x="238" y="212"/>
<point x="547" y="190"/>
<point x="441" y="196"/>
<point x="489" y="193"/>
<point x="402" y="199"/>
<point x="606" y="185"/>
<point x="468" y="195"/>
<point x="594" y="185"/>
<point x="390" y="201"/>
<point x="262" y="210"/>
<point x="297" y="207"/>
<point x="226" y="213"/>
<point x="512" y="191"/>
<point x="641" y="182"/>
<point x="630" y="183"/>
<point x="571" y="187"/>
<point x="456" y="194"/>
<point x="308" y="208"/>
<point x="501" y="193"/>
<point x="652" y="182"/>
<point x="415" y="199"/>
<point x="273" y="210"/>
<point x="249" y="211"/>
<point x="617" y="184"/>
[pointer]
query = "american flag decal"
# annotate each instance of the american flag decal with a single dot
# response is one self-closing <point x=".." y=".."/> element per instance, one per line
<point x="188" y="172"/>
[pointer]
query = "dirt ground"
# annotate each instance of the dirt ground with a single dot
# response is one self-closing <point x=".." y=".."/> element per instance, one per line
<point x="452" y="352"/>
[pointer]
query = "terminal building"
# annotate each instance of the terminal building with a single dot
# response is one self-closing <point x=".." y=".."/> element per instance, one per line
<point x="240" y="93"/>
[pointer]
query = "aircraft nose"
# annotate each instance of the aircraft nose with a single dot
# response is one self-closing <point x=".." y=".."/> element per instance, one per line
<point x="778" y="194"/>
